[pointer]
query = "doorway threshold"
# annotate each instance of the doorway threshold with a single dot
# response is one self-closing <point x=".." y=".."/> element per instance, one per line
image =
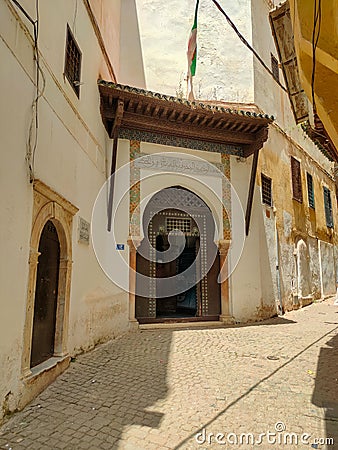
<point x="173" y="324"/>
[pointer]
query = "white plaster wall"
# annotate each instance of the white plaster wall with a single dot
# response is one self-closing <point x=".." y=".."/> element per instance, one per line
<point x="165" y="29"/>
<point x="16" y="217"/>
<point x="246" y="285"/>
<point x="131" y="59"/>
<point x="71" y="159"/>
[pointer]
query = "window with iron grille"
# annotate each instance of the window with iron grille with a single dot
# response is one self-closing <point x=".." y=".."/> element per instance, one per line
<point x="274" y="67"/>
<point x="310" y="191"/>
<point x="328" y="207"/>
<point x="73" y="62"/>
<point x="296" y="180"/>
<point x="178" y="224"/>
<point x="266" y="190"/>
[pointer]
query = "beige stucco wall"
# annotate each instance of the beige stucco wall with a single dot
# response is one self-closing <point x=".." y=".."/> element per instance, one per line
<point x="70" y="158"/>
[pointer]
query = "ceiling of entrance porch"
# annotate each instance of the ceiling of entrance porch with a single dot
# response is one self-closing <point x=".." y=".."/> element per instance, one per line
<point x="132" y="108"/>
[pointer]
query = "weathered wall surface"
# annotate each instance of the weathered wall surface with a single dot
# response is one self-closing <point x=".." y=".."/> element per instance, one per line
<point x="251" y="280"/>
<point x="297" y="222"/>
<point x="70" y="158"/>
<point x="165" y="29"/>
<point x="226" y="70"/>
<point x="299" y="227"/>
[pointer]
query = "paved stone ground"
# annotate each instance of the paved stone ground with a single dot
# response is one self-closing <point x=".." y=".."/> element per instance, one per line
<point x="157" y="389"/>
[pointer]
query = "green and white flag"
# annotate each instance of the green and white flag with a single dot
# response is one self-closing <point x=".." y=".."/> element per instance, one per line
<point x="192" y="55"/>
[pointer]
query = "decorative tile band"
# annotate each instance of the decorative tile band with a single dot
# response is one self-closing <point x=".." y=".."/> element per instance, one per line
<point x="163" y="139"/>
<point x="226" y="194"/>
<point x="134" y="192"/>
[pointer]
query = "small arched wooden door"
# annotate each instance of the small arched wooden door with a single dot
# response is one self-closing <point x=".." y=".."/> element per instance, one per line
<point x="46" y="294"/>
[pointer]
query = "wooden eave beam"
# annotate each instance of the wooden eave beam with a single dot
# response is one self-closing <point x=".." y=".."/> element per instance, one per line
<point x="143" y="123"/>
<point x="172" y="115"/>
<point x="146" y="111"/>
<point x="164" y="113"/>
<point x="196" y="120"/>
<point x="203" y="121"/>
<point x="155" y="111"/>
<point x="139" y="107"/>
<point x="188" y="118"/>
<point x="180" y="116"/>
<point x="219" y="123"/>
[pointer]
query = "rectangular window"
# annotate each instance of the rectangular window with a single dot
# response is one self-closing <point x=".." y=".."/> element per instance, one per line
<point x="266" y="190"/>
<point x="274" y="67"/>
<point x="310" y="192"/>
<point x="296" y="180"/>
<point x="328" y="207"/>
<point x="73" y="62"/>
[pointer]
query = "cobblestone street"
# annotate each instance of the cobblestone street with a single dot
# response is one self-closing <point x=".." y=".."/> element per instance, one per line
<point x="156" y="389"/>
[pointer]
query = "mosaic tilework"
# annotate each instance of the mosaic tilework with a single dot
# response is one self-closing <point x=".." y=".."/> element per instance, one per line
<point x="226" y="194"/>
<point x="135" y="218"/>
<point x="137" y="136"/>
<point x="134" y="192"/>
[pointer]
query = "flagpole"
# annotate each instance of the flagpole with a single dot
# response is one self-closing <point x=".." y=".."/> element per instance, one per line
<point x="192" y="56"/>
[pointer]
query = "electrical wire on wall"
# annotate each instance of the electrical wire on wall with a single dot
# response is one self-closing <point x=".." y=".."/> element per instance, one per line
<point x="246" y="43"/>
<point x="317" y="19"/>
<point x="32" y="140"/>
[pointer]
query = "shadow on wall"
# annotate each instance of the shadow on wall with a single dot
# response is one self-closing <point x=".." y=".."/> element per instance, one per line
<point x="325" y="394"/>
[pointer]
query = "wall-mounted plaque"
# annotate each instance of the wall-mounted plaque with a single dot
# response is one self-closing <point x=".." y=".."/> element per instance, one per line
<point x="83" y="231"/>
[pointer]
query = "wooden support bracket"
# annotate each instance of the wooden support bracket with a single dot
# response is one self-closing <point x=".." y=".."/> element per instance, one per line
<point x="115" y="136"/>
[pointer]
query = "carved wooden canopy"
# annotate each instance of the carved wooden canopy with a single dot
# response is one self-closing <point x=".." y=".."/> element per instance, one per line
<point x="138" y="109"/>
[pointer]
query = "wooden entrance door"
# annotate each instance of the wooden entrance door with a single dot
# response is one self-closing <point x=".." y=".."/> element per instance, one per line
<point x="195" y="220"/>
<point x="46" y="293"/>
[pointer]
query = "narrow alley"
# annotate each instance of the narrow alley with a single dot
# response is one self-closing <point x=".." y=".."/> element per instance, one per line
<point x="195" y="388"/>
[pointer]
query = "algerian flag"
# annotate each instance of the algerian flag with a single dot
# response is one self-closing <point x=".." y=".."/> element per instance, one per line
<point x="192" y="55"/>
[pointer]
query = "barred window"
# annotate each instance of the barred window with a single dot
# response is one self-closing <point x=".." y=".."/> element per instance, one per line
<point x="296" y="180"/>
<point x="178" y="224"/>
<point x="274" y="67"/>
<point x="266" y="190"/>
<point x="328" y="207"/>
<point x="310" y="191"/>
<point x="73" y="62"/>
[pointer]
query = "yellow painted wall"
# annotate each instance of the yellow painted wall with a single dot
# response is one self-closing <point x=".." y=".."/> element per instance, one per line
<point x="295" y="220"/>
<point x="326" y="73"/>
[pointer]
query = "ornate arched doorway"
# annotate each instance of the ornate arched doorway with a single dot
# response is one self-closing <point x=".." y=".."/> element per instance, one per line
<point x="177" y="262"/>
<point x="46" y="294"/>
